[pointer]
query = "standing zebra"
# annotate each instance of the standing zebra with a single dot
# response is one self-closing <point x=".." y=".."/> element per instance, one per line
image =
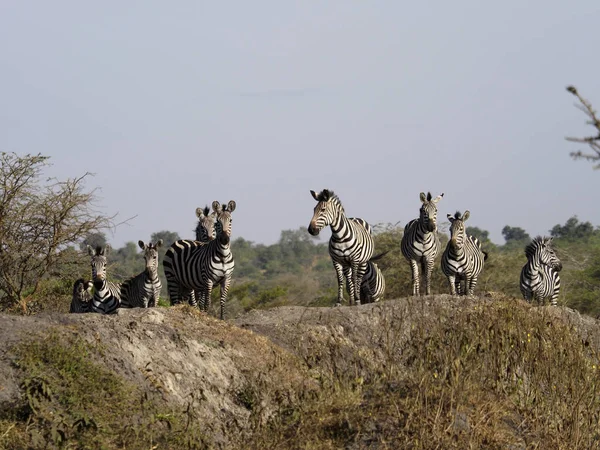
<point x="351" y="244"/>
<point x="462" y="261"/>
<point x="82" y="297"/>
<point x="420" y="243"/>
<point x="373" y="283"/>
<point x="539" y="277"/>
<point x="194" y="265"/>
<point x="143" y="290"/>
<point x="205" y="229"/>
<point x="107" y="295"/>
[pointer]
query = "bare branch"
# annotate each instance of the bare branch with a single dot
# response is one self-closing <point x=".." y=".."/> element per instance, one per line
<point x="592" y="141"/>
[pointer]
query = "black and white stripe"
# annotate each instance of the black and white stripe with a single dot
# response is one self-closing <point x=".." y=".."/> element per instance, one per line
<point x="194" y="265"/>
<point x="143" y="290"/>
<point x="420" y="243"/>
<point x="82" y="297"/>
<point x="462" y="261"/>
<point x="539" y="277"/>
<point x="351" y="244"/>
<point x="205" y="231"/>
<point x="372" y="288"/>
<point x="107" y="295"/>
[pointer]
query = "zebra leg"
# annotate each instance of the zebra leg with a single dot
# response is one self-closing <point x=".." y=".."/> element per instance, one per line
<point x="452" y="281"/>
<point x="355" y="297"/>
<point x="207" y="295"/>
<point x="224" y="291"/>
<point x="340" y="276"/>
<point x="174" y="290"/>
<point x="349" y="284"/>
<point x="360" y="274"/>
<point x="415" y="276"/>
<point x="427" y="266"/>
<point x="471" y="283"/>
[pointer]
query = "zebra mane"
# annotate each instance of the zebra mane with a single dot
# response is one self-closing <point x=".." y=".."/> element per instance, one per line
<point x="429" y="197"/>
<point x="457" y="215"/>
<point x="206" y="210"/>
<point x="535" y="243"/>
<point x="325" y="195"/>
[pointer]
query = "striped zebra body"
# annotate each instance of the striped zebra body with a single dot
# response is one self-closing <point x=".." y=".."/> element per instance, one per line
<point x="372" y="288"/>
<point x="205" y="232"/>
<point x="143" y="290"/>
<point x="82" y="297"/>
<point x="539" y="277"/>
<point x="198" y="266"/>
<point x="351" y="244"/>
<point x="463" y="259"/>
<point x="420" y="243"/>
<point x="107" y="295"/>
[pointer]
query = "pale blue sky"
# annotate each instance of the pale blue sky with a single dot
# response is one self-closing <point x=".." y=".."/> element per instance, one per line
<point x="176" y="104"/>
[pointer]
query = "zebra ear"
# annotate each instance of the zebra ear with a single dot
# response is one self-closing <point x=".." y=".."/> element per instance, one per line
<point x="231" y="206"/>
<point x="423" y="197"/>
<point x="315" y="195"/>
<point x="199" y="213"/>
<point x="450" y="217"/>
<point x="216" y="206"/>
<point x="91" y="250"/>
<point x="466" y="215"/>
<point x="438" y="198"/>
<point x="142" y="245"/>
<point x="159" y="243"/>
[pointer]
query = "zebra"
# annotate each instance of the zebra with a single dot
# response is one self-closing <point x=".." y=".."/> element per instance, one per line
<point x="351" y="244"/>
<point x="82" y="296"/>
<point x="462" y="261"/>
<point x="205" y="229"/>
<point x="194" y="265"/>
<point x="420" y="243"/>
<point x="107" y="295"/>
<point x="143" y="290"/>
<point x="539" y="277"/>
<point x="205" y="232"/>
<point x="373" y="283"/>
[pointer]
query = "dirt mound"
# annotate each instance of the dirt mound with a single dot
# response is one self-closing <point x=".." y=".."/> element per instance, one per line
<point x="289" y="377"/>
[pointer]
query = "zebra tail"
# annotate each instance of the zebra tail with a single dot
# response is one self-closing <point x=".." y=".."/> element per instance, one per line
<point x="378" y="257"/>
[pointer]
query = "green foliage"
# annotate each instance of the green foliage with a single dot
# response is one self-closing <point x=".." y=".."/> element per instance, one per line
<point x="482" y="235"/>
<point x="514" y="235"/>
<point x="573" y="229"/>
<point x="93" y="240"/>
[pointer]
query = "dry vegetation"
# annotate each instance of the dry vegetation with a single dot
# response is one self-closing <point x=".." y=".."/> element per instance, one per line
<point x="437" y="372"/>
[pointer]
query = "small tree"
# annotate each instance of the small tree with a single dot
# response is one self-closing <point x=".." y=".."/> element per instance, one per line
<point x="592" y="141"/>
<point x="513" y="235"/>
<point x="482" y="235"/>
<point x="573" y="229"/>
<point x="38" y="222"/>
<point x="93" y="240"/>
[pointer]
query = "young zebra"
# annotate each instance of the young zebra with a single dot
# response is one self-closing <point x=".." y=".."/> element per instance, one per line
<point x="143" y="290"/>
<point x="373" y="283"/>
<point x="82" y="297"/>
<point x="205" y="229"/>
<point x="351" y="244"/>
<point x="462" y="261"/>
<point x="205" y="232"/>
<point x="194" y="265"/>
<point x="420" y="243"/>
<point x="539" y="277"/>
<point x="107" y="295"/>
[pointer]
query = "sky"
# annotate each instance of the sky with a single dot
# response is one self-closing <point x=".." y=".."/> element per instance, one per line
<point x="172" y="105"/>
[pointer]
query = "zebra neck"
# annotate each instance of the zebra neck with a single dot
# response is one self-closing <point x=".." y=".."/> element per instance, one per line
<point x="152" y="274"/>
<point x="422" y="230"/>
<point x="534" y="266"/>
<point x="223" y="249"/>
<point x="339" y="225"/>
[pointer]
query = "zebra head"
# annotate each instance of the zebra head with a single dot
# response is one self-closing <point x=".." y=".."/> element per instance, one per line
<point x="151" y="255"/>
<point x="326" y="211"/>
<point x="205" y="230"/>
<point x="99" y="262"/>
<point x="540" y="249"/>
<point x="428" y="211"/>
<point x="82" y="290"/>
<point x="223" y="220"/>
<point x="458" y="234"/>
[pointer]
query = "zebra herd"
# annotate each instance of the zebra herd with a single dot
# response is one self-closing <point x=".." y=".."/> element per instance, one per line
<point x="194" y="267"/>
<point x="351" y="248"/>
